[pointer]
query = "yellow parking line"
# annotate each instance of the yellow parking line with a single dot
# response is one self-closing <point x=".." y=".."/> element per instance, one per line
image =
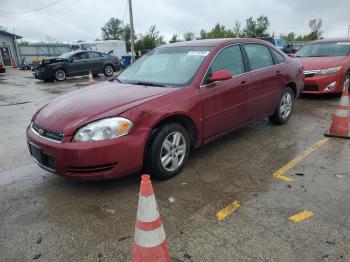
<point x="301" y="216"/>
<point x="227" y="210"/>
<point x="280" y="172"/>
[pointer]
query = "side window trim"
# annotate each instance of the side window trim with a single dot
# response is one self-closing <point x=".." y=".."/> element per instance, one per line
<point x="209" y="66"/>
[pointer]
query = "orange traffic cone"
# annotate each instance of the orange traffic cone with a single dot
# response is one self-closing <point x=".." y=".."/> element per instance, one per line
<point x="91" y="78"/>
<point x="341" y="118"/>
<point x="13" y="62"/>
<point x="150" y="244"/>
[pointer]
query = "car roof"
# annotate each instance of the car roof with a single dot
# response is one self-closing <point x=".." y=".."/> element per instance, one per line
<point x="214" y="42"/>
<point x="332" y="40"/>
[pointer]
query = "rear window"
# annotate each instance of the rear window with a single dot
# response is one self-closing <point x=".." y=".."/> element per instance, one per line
<point x="259" y="56"/>
<point x="279" y="59"/>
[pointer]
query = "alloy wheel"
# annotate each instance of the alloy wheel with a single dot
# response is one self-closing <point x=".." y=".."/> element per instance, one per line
<point x="60" y="75"/>
<point x="173" y="151"/>
<point x="108" y="70"/>
<point x="286" y="105"/>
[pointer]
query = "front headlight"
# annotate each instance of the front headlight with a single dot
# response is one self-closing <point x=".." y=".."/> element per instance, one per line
<point x="103" y="129"/>
<point x="329" y="71"/>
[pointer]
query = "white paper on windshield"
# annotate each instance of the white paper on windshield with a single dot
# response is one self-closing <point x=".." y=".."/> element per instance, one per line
<point x="343" y="43"/>
<point x="198" y="53"/>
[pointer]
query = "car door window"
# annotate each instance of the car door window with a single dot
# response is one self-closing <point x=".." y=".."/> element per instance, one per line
<point x="259" y="56"/>
<point x="230" y="59"/>
<point x="94" y="55"/>
<point x="80" y="56"/>
<point x="279" y="59"/>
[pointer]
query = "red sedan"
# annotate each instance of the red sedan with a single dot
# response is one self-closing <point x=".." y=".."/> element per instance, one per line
<point x="177" y="97"/>
<point x="326" y="65"/>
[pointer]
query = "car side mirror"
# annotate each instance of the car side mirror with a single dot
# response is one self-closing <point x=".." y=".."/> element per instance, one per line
<point x="220" y="75"/>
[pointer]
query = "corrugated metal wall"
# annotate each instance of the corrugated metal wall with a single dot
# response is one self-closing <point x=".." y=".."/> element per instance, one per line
<point x="36" y="52"/>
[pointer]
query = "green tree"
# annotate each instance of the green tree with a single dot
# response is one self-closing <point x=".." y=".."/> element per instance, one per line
<point x="315" y="26"/>
<point x="237" y="29"/>
<point x="23" y="43"/>
<point x="218" y="31"/>
<point x="202" y="34"/>
<point x="289" y="37"/>
<point x="174" y="39"/>
<point x="256" y="28"/>
<point x="113" y="30"/>
<point x="188" y="36"/>
<point x="149" y="40"/>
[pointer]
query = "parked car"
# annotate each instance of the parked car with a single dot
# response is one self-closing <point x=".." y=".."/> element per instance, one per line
<point x="76" y="63"/>
<point x="177" y="97"/>
<point x="326" y="65"/>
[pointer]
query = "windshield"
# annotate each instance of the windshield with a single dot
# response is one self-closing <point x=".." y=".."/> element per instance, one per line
<point x="324" y="49"/>
<point x="66" y="55"/>
<point x="166" y="66"/>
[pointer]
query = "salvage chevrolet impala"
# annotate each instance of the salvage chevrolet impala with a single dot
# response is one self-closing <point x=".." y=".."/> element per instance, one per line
<point x="175" y="98"/>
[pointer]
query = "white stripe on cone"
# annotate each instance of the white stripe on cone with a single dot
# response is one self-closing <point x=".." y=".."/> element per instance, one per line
<point x="147" y="210"/>
<point x="342" y="112"/>
<point x="344" y="101"/>
<point x="150" y="238"/>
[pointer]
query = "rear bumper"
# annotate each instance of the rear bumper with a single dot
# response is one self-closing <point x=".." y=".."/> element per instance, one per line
<point x="321" y="84"/>
<point x="98" y="160"/>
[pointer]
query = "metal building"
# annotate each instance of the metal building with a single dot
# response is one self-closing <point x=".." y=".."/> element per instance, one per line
<point x="8" y="48"/>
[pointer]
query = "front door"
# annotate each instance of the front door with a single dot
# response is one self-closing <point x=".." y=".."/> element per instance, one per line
<point x="224" y="103"/>
<point x="79" y="64"/>
<point x="6" y="57"/>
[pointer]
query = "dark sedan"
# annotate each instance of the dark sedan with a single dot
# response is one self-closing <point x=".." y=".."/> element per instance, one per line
<point x="76" y="63"/>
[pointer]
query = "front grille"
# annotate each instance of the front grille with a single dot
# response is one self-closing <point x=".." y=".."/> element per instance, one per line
<point x="310" y="88"/>
<point x="91" y="169"/>
<point x="41" y="158"/>
<point x="52" y="135"/>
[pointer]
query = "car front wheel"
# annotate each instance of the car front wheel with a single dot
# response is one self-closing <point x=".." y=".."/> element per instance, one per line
<point x="60" y="75"/>
<point x="284" y="107"/>
<point x="108" y="70"/>
<point x="168" y="151"/>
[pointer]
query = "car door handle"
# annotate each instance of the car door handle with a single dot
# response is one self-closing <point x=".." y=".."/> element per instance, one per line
<point x="243" y="82"/>
<point x="278" y="72"/>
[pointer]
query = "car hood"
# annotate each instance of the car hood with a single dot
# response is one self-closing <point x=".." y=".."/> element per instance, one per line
<point x="69" y="112"/>
<point x="311" y="63"/>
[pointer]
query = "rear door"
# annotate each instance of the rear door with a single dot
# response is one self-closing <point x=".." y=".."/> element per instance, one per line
<point x="265" y="85"/>
<point x="95" y="62"/>
<point x="224" y="103"/>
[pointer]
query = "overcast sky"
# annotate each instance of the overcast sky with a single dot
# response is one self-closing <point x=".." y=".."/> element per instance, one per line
<point x="71" y="20"/>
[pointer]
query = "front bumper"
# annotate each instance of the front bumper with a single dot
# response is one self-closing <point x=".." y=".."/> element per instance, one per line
<point x="96" y="160"/>
<point x="318" y="84"/>
<point x="42" y="73"/>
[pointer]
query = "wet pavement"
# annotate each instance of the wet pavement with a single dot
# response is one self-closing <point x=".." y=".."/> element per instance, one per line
<point x="44" y="217"/>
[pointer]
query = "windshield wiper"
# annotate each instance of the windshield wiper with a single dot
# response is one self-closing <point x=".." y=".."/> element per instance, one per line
<point x="146" y="84"/>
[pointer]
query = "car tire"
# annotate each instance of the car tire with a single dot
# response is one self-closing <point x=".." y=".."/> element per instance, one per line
<point x="284" y="108"/>
<point x="108" y="70"/>
<point x="60" y="75"/>
<point x="168" y="151"/>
